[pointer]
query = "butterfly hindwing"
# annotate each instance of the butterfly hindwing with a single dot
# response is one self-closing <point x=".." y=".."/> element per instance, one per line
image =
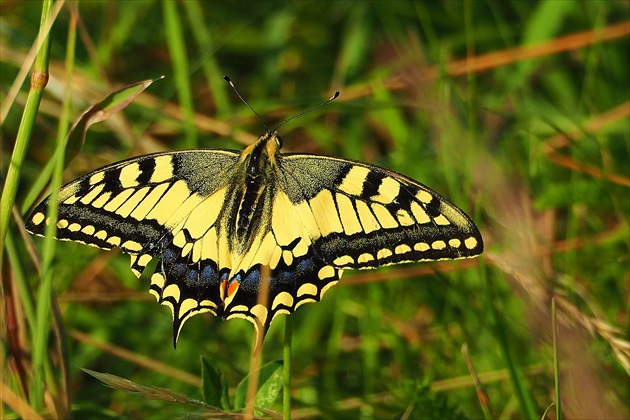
<point x="289" y="287"/>
<point x="188" y="288"/>
<point x="296" y="273"/>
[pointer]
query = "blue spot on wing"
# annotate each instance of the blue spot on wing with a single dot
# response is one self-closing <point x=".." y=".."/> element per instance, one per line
<point x="199" y="281"/>
<point x="208" y="273"/>
<point x="283" y="278"/>
<point x="202" y="281"/>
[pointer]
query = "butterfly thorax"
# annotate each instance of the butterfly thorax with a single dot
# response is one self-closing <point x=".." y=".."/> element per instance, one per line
<point x="253" y="193"/>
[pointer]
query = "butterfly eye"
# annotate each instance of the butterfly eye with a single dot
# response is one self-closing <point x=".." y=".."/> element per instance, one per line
<point x="279" y="140"/>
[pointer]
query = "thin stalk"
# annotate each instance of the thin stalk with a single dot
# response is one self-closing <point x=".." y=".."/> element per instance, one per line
<point x="39" y="79"/>
<point x="25" y="68"/>
<point x="45" y="292"/>
<point x="177" y="51"/>
<point x="254" y="364"/>
<point x="23" y="287"/>
<point x="209" y="65"/>
<point x="482" y="395"/>
<point x="62" y="134"/>
<point x="286" y="372"/>
<point x="24" y="290"/>
<point x="252" y="383"/>
<point x="516" y="375"/>
<point x="556" y="363"/>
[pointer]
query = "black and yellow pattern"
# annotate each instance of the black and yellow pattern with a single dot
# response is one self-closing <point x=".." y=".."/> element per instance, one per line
<point x="218" y="218"/>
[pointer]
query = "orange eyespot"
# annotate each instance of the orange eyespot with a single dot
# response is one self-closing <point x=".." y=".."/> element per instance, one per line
<point x="232" y="288"/>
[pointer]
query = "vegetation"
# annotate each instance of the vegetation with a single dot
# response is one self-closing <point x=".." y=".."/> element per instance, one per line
<point x="516" y="111"/>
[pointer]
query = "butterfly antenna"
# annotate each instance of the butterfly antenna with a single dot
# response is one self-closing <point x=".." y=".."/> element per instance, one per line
<point x="332" y="98"/>
<point x="227" y="79"/>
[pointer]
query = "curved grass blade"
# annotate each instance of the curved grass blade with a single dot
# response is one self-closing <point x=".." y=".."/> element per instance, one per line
<point x="114" y="102"/>
<point x="154" y="393"/>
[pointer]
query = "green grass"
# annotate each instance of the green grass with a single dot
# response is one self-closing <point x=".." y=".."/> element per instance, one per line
<point x="532" y="142"/>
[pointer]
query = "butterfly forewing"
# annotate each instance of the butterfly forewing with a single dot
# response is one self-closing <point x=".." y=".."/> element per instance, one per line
<point x="368" y="216"/>
<point x="138" y="199"/>
<point x="139" y="206"/>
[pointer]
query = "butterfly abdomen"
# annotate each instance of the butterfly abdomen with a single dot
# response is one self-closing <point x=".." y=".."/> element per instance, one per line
<point x="251" y="195"/>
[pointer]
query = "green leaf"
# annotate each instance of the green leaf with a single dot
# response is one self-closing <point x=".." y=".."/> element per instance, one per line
<point x="215" y="385"/>
<point x="269" y="386"/>
<point x="101" y="111"/>
<point x="114" y="102"/>
<point x="546" y="20"/>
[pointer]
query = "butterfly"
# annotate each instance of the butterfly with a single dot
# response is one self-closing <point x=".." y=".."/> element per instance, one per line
<point x="231" y="227"/>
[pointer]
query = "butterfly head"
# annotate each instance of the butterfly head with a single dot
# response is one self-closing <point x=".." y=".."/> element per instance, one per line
<point x="273" y="142"/>
<point x="262" y="152"/>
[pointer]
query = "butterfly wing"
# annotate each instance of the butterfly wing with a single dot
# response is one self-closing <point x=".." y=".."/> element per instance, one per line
<point x="331" y="214"/>
<point x="320" y="216"/>
<point x="368" y="216"/>
<point x="140" y="206"/>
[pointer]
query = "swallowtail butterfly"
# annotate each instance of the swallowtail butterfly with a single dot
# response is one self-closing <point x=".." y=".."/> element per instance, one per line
<point x="221" y="220"/>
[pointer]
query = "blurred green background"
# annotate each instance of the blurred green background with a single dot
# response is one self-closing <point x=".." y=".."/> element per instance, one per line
<point x="515" y="111"/>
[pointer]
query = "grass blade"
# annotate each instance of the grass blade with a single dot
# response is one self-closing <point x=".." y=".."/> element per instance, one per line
<point x="556" y="363"/>
<point x="286" y="380"/>
<point x="177" y="50"/>
<point x="45" y="294"/>
<point x="39" y="79"/>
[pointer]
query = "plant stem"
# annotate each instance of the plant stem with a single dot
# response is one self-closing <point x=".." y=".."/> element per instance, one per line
<point x="286" y="373"/>
<point x="516" y="375"/>
<point x="39" y="79"/>
<point x="177" y="50"/>
<point x="556" y="366"/>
